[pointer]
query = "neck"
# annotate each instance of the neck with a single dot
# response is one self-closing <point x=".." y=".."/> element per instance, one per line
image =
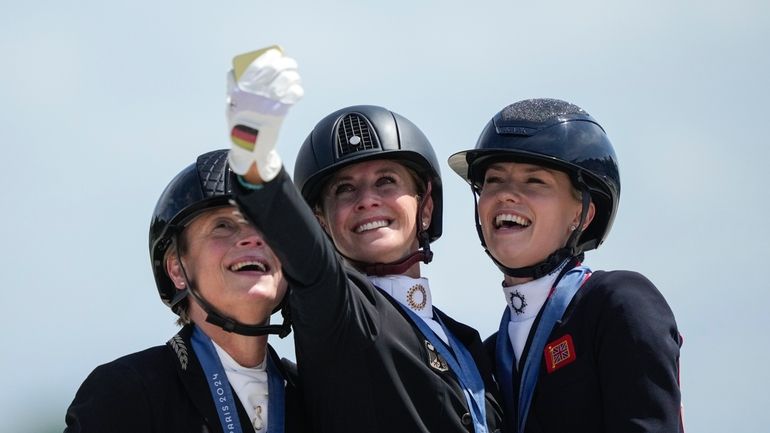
<point x="246" y="351"/>
<point x="413" y="271"/>
<point x="408" y="266"/>
<point x="509" y="281"/>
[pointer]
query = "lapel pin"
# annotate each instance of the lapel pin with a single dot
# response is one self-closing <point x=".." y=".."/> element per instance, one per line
<point x="559" y="353"/>
<point x="434" y="359"/>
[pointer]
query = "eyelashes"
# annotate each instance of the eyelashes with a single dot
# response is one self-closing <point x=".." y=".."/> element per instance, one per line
<point x="348" y="187"/>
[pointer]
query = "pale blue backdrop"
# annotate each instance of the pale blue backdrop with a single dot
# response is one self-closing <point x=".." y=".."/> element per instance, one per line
<point x="101" y="103"/>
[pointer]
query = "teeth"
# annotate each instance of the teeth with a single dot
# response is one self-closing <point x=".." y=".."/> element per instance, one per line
<point x="259" y="265"/>
<point x="500" y="219"/>
<point x="371" y="226"/>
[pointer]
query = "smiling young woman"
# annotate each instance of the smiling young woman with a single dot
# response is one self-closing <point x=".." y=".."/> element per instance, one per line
<point x="577" y="350"/>
<point x="527" y="212"/>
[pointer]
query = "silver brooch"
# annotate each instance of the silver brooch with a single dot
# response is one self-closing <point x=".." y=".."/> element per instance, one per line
<point x="177" y="343"/>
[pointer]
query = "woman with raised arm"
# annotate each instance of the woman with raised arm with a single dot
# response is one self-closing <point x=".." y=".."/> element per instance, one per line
<point x="374" y="354"/>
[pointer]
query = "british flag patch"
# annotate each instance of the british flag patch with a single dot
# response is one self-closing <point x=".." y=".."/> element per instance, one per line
<point x="559" y="352"/>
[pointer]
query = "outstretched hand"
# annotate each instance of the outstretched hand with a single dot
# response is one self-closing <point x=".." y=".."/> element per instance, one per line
<point x="261" y="88"/>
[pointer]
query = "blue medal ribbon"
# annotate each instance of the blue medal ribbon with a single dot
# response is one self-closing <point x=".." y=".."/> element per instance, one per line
<point x="276" y="390"/>
<point x="461" y="363"/>
<point x="553" y="310"/>
<point x="222" y="394"/>
<point x="505" y="361"/>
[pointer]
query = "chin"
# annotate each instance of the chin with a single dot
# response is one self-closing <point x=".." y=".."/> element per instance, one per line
<point x="369" y="258"/>
<point x="512" y="261"/>
<point x="384" y="256"/>
<point x="263" y="289"/>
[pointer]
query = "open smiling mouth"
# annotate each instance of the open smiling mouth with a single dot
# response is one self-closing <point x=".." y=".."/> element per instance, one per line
<point x="372" y="226"/>
<point x="511" y="221"/>
<point x="250" y="265"/>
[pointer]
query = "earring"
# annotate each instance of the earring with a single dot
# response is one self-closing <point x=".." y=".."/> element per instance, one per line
<point x="424" y="225"/>
<point x="182" y="284"/>
<point x="572" y="227"/>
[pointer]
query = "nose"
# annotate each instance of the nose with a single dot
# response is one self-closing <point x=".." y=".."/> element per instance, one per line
<point x="509" y="196"/>
<point x="367" y="198"/>
<point x="510" y="193"/>
<point x="251" y="237"/>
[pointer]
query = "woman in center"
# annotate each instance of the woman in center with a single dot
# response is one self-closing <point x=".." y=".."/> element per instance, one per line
<point x="373" y="353"/>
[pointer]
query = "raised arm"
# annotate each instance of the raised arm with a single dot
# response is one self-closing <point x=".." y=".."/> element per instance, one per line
<point x="262" y="86"/>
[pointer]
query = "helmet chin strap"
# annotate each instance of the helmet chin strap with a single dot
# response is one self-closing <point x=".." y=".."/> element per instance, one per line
<point x="423" y="254"/>
<point x="217" y="318"/>
<point x="555" y="259"/>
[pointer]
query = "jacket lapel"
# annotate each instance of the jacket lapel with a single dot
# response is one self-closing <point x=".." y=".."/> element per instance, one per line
<point x="191" y="375"/>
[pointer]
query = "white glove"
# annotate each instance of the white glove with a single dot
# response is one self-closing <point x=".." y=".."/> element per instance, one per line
<point x="261" y="88"/>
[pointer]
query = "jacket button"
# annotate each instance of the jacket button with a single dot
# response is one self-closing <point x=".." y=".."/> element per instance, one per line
<point x="466" y="419"/>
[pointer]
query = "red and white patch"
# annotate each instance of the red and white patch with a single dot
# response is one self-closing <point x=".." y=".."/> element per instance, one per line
<point x="559" y="353"/>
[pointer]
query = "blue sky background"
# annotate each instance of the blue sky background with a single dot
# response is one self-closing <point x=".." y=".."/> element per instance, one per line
<point x="101" y="103"/>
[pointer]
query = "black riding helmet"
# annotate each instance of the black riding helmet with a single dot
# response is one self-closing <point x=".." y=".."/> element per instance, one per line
<point x="362" y="133"/>
<point x="201" y="186"/>
<point x="558" y="135"/>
